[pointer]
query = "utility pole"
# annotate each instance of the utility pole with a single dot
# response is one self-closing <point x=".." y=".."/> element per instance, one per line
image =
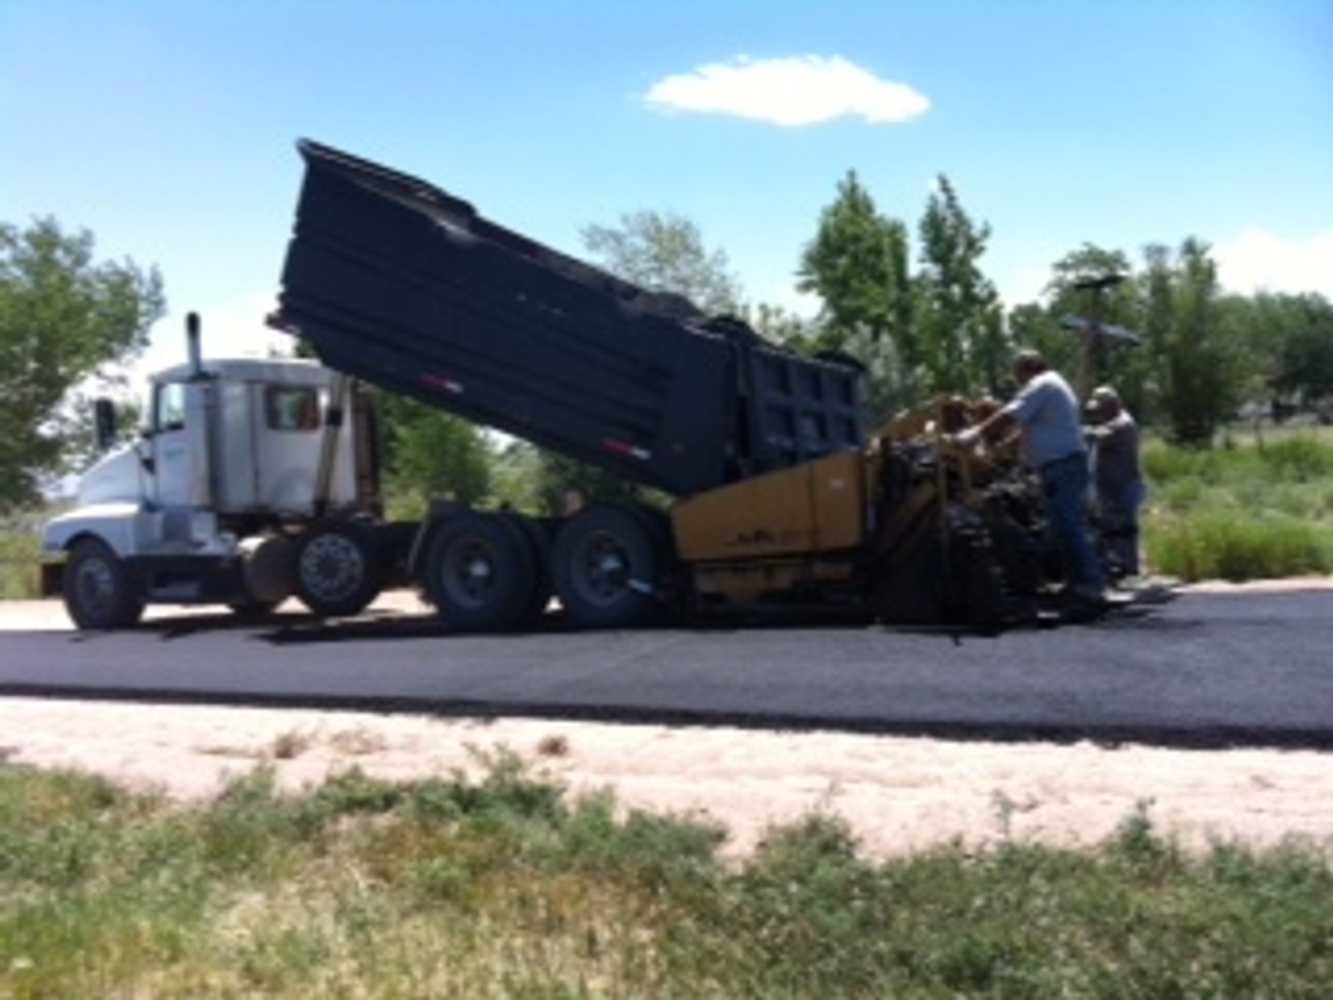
<point x="1093" y="332"/>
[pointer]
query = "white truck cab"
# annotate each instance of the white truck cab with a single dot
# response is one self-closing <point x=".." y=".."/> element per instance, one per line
<point x="251" y="479"/>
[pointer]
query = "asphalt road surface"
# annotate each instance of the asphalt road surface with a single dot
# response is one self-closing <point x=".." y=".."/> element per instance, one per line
<point x="1205" y="670"/>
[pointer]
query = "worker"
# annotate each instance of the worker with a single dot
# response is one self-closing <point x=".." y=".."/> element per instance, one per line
<point x="1119" y="478"/>
<point x="1047" y="414"/>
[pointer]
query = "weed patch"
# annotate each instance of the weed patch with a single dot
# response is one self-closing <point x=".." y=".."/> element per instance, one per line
<point x="1241" y="513"/>
<point x="503" y="886"/>
<point x="20" y="555"/>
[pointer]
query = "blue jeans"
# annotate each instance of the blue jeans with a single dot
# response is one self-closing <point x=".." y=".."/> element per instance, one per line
<point x="1119" y="504"/>
<point x="1064" y="484"/>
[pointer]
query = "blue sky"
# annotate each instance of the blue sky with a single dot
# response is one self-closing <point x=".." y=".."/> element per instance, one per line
<point x="167" y="128"/>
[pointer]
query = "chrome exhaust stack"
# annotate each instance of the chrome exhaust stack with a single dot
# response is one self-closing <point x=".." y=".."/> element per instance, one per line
<point x="192" y="346"/>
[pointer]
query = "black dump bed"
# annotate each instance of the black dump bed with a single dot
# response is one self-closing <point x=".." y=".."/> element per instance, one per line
<point x="404" y="286"/>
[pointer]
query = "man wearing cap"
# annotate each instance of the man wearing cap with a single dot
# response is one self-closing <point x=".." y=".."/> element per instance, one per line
<point x="1047" y="413"/>
<point x="1119" y="478"/>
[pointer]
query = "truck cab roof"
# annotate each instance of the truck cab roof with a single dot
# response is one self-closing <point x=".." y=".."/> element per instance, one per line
<point x="298" y="371"/>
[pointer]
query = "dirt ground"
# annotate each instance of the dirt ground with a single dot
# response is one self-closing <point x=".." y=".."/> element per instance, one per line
<point x="897" y="794"/>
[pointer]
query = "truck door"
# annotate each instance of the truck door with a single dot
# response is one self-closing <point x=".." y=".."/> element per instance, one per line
<point x="172" y="465"/>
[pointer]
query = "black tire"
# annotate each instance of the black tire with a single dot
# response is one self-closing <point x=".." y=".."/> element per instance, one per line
<point x="99" y="592"/>
<point x="336" y="569"/>
<point x="480" y="573"/>
<point x="606" y="564"/>
<point x="539" y="543"/>
<point x="671" y="596"/>
<point x="659" y="525"/>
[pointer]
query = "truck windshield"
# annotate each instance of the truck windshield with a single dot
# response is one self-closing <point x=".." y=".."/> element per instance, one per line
<point x="291" y="408"/>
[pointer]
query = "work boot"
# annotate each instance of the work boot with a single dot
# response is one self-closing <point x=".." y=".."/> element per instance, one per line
<point x="1083" y="602"/>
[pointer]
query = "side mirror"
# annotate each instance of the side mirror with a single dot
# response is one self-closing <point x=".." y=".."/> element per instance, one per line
<point x="104" y="415"/>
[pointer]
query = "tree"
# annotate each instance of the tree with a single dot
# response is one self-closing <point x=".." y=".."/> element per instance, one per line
<point x="666" y="253"/>
<point x="63" y="320"/>
<point x="662" y="253"/>
<point x="961" y="332"/>
<point x="1201" y="367"/>
<point x="429" y="454"/>
<point x="857" y="264"/>
<point x="1297" y="331"/>
<point x="778" y="325"/>
<point x="1122" y="365"/>
<point x="1037" y="327"/>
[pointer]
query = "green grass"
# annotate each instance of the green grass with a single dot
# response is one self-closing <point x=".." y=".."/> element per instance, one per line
<point x="505" y="887"/>
<point x="1242" y="512"/>
<point x="20" y="553"/>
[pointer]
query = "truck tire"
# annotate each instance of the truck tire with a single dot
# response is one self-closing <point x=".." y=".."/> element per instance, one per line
<point x="539" y="543"/>
<point x="336" y="569"/>
<point x="99" y="591"/>
<point x="606" y="565"/>
<point x="480" y="573"/>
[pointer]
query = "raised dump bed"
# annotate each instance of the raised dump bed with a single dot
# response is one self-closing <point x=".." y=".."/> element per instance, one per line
<point x="404" y="286"/>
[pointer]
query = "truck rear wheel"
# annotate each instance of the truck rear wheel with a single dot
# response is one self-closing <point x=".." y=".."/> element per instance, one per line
<point x="480" y="572"/>
<point x="606" y="564"/>
<point x="99" y="591"/>
<point x="337" y="569"/>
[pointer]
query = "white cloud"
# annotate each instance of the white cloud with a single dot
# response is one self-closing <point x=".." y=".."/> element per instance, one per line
<point x="1255" y="260"/>
<point x="793" y="91"/>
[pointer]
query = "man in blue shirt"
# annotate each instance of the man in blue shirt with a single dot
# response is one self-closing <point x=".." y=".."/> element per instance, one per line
<point x="1047" y="414"/>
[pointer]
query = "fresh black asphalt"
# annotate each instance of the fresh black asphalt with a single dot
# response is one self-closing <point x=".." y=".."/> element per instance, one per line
<point x="1205" y="670"/>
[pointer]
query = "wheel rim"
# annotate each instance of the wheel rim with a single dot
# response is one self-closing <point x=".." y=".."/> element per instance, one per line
<point x="332" y="567"/>
<point x="95" y="583"/>
<point x="601" y="569"/>
<point x="468" y="573"/>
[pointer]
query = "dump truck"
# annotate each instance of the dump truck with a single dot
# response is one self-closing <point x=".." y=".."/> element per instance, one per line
<point x="256" y="480"/>
<point x="782" y="498"/>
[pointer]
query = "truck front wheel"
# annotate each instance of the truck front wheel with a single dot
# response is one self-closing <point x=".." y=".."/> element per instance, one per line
<point x="337" y="570"/>
<point x="99" y="591"/>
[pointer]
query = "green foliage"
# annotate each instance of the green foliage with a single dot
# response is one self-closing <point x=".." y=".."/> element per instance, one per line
<point x="1234" y="545"/>
<point x="776" y="324"/>
<point x="20" y="554"/>
<point x="1194" y="354"/>
<point x="857" y="264"/>
<point x="1128" y="368"/>
<point x="515" y="474"/>
<point x="964" y="347"/>
<point x="1203" y="354"/>
<point x="431" y="454"/>
<point x="1299" y="332"/>
<point x="63" y="319"/>
<point x="665" y="253"/>
<point x="1241" y="513"/>
<point x="501" y="887"/>
<point x="564" y="483"/>
<point x="662" y="253"/>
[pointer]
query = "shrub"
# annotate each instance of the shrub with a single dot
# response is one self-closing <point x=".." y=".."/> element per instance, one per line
<point x="20" y="553"/>
<point x="1235" y="545"/>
